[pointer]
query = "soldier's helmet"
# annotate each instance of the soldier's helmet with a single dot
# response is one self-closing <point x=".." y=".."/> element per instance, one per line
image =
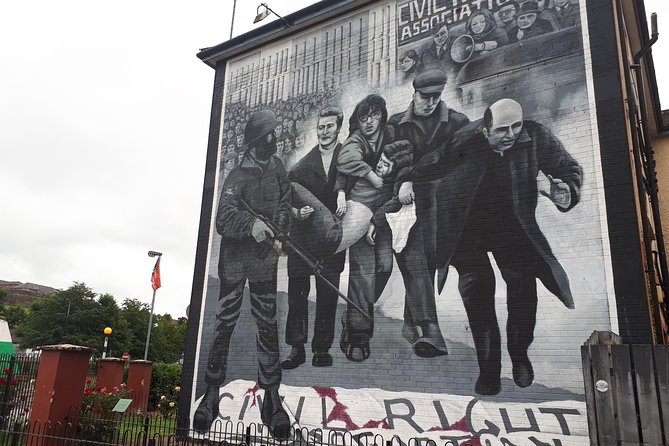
<point x="261" y="123"/>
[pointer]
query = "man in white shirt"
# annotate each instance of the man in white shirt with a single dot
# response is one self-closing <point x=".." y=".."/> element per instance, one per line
<point x="317" y="173"/>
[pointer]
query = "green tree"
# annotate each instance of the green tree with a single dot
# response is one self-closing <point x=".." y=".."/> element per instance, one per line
<point x="136" y="314"/>
<point x="74" y="316"/>
<point x="13" y="314"/>
<point x="110" y="312"/>
<point x="78" y="316"/>
<point x="168" y="339"/>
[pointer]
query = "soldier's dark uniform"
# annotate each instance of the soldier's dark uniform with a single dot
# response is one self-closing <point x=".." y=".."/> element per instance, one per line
<point x="267" y="193"/>
<point x="265" y="188"/>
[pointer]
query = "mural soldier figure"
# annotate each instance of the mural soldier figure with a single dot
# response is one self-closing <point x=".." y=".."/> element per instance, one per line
<point x="426" y="123"/>
<point x="259" y="184"/>
<point x="487" y="203"/>
<point x="317" y="173"/>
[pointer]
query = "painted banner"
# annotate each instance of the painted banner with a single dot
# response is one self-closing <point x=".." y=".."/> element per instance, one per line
<point x="444" y="419"/>
<point x="417" y="19"/>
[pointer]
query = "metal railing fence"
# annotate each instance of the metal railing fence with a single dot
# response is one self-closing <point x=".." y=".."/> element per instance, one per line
<point x="116" y="432"/>
<point x="17" y="383"/>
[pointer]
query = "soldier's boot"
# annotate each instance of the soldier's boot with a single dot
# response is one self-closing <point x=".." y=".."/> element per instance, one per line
<point x="207" y="411"/>
<point x="274" y="416"/>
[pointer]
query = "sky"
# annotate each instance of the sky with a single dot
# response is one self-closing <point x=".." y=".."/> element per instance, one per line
<point x="104" y="117"/>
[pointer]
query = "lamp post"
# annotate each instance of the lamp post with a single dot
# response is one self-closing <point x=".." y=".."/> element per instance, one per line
<point x="232" y="25"/>
<point x="107" y="331"/>
<point x="155" y="284"/>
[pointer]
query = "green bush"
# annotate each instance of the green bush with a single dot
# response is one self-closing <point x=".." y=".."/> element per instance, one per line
<point x="165" y="382"/>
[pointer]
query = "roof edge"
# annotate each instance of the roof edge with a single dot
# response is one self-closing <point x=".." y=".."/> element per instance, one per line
<point x="277" y="29"/>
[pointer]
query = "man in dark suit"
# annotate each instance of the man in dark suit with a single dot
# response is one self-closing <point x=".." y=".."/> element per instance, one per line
<point x="528" y="23"/>
<point x="507" y="15"/>
<point x="317" y="173"/>
<point x="437" y="53"/>
<point x="567" y="13"/>
<point x="486" y="202"/>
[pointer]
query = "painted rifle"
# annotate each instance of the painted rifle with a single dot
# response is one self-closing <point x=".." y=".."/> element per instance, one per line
<point x="314" y="265"/>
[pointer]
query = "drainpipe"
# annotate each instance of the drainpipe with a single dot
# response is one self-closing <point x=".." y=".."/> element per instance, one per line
<point x="650" y="154"/>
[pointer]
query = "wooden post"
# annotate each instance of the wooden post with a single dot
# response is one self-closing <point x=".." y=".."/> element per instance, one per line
<point x="626" y="390"/>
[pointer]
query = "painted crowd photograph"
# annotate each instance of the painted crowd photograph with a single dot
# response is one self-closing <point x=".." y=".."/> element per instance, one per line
<point x="408" y="232"/>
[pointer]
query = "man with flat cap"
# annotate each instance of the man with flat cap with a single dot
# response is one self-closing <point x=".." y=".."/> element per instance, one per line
<point x="248" y="254"/>
<point x="487" y="200"/>
<point x="426" y="124"/>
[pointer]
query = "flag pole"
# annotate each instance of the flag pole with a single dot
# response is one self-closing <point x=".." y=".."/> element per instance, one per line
<point x="155" y="284"/>
<point x="148" y="331"/>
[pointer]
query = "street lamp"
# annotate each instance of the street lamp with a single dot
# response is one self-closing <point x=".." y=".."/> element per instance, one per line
<point x="107" y="331"/>
<point x="262" y="15"/>
<point x="155" y="284"/>
<point x="232" y="24"/>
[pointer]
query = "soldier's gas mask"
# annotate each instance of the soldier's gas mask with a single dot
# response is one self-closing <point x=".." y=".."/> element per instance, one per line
<point x="265" y="149"/>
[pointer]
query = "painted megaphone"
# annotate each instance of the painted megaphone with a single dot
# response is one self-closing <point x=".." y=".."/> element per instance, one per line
<point x="462" y="49"/>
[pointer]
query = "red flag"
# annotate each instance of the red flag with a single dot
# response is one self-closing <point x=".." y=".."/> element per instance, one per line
<point x="155" y="275"/>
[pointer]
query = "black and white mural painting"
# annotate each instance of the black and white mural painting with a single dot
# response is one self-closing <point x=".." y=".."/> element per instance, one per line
<point x="409" y="233"/>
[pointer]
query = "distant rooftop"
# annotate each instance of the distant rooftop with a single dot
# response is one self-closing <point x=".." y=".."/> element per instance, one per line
<point x="24" y="294"/>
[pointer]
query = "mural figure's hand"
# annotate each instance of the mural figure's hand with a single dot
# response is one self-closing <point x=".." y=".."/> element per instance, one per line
<point x="476" y="47"/>
<point x="341" y="203"/>
<point x="406" y="195"/>
<point x="376" y="180"/>
<point x="371" y="234"/>
<point x="261" y="231"/>
<point x="305" y="212"/>
<point x="560" y="194"/>
<point x="278" y="247"/>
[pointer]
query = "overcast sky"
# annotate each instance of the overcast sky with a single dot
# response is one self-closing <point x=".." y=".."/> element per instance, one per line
<point x="104" y="116"/>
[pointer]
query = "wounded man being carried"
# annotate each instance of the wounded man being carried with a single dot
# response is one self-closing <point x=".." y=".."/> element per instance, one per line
<point x="326" y="233"/>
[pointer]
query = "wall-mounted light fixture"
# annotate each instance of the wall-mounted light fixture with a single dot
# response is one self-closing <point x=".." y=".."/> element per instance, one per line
<point x="262" y="15"/>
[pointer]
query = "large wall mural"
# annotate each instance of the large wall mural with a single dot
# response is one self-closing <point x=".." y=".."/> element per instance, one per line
<point x="409" y="232"/>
